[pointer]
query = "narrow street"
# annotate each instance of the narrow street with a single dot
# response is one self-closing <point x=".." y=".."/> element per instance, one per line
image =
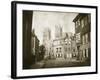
<point x="54" y="63"/>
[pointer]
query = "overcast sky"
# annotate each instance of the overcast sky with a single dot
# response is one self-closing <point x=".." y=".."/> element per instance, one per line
<point x="42" y="20"/>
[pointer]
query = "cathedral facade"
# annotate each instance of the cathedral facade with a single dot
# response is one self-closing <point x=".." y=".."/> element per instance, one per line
<point x="62" y="46"/>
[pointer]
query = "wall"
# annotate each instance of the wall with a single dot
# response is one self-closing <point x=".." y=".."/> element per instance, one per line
<point x="5" y="40"/>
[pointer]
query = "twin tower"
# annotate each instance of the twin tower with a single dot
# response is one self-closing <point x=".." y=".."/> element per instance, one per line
<point x="47" y="33"/>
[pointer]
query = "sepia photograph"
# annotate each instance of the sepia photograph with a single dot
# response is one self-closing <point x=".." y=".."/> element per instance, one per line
<point x="53" y="39"/>
<point x="56" y="39"/>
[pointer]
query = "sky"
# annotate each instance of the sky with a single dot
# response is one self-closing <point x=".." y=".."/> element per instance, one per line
<point x="42" y="19"/>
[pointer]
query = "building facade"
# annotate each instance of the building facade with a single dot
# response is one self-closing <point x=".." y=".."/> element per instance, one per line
<point x="58" y="47"/>
<point x="62" y="44"/>
<point x="83" y="37"/>
<point x="27" y="25"/>
<point x="35" y="46"/>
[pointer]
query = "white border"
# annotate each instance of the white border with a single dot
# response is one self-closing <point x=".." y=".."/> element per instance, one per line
<point x="36" y="72"/>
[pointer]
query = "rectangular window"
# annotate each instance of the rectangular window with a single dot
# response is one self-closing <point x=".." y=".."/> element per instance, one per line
<point x="85" y="20"/>
<point x="86" y="52"/>
<point x="59" y="49"/>
<point x="83" y="53"/>
<point x="83" y="39"/>
<point x="89" y="18"/>
<point x="82" y="23"/>
<point x="86" y="38"/>
<point x="78" y="23"/>
<point x="77" y="37"/>
<point x="56" y="49"/>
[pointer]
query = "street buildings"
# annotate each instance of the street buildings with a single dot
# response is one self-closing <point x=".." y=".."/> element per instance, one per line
<point x="27" y="25"/>
<point x="35" y="46"/>
<point x="83" y="37"/>
<point x="65" y="45"/>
